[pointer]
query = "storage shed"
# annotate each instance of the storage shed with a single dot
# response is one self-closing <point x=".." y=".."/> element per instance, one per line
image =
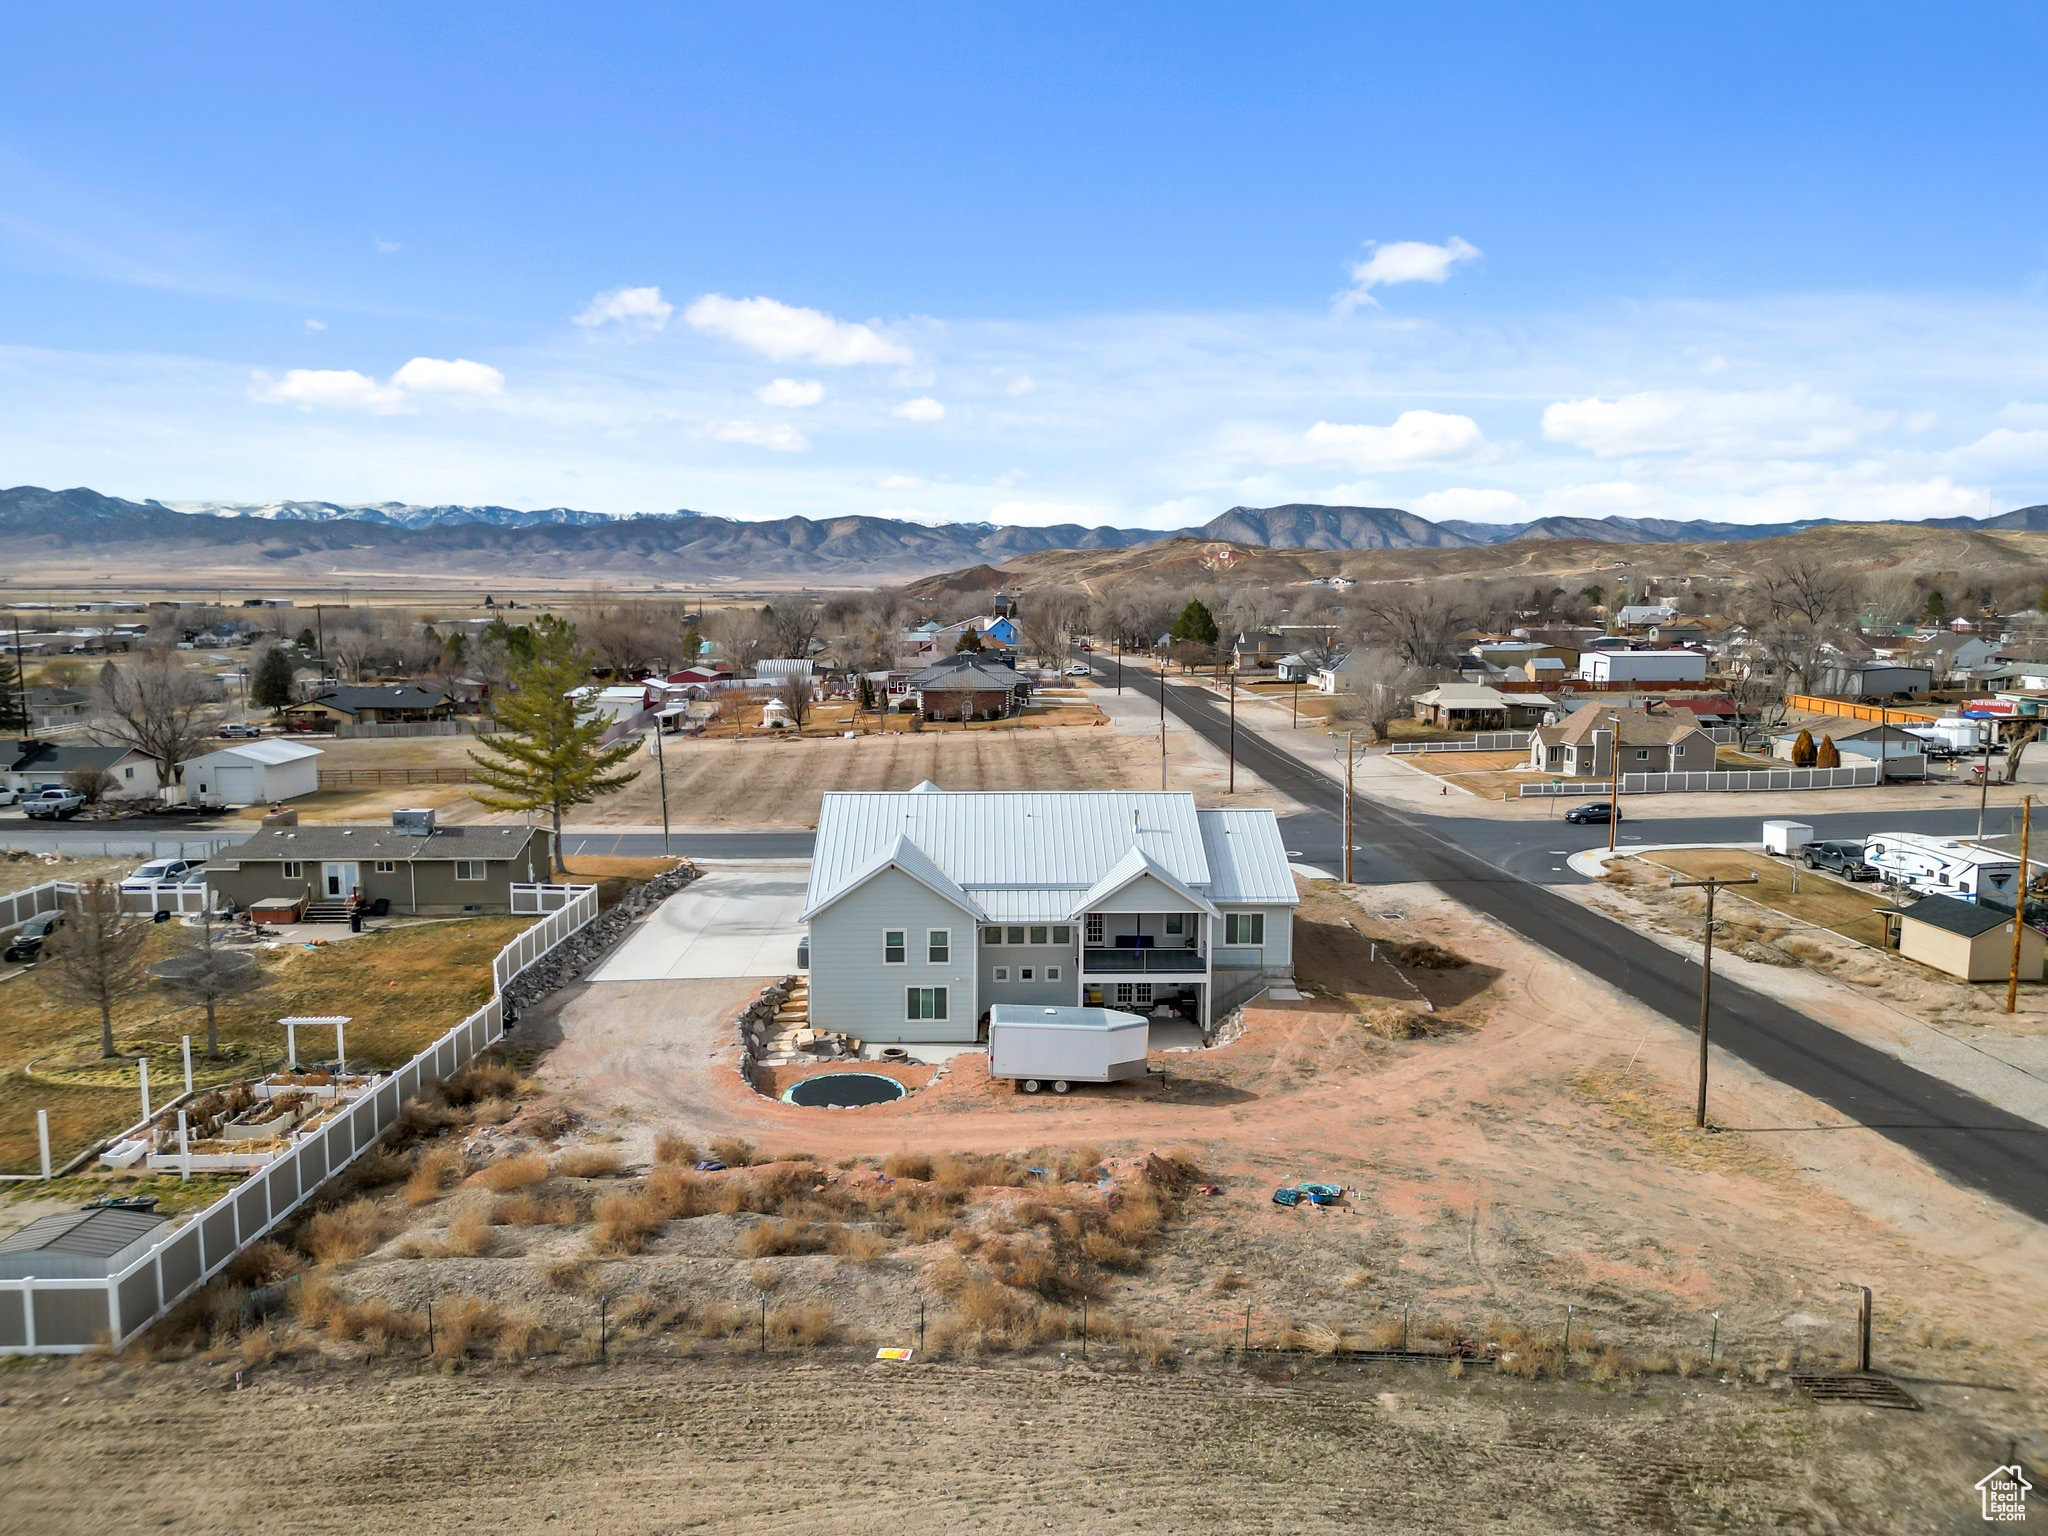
<point x="1964" y="939"/>
<point x="252" y="773"/>
<point x="1062" y="1045"/>
<point x="78" y="1245"/>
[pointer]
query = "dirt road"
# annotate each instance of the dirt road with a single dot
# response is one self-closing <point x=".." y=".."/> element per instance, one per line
<point x="863" y="1448"/>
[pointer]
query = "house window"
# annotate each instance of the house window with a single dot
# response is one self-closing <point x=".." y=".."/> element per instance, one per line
<point x="1093" y="930"/>
<point x="925" y="1002"/>
<point x="1038" y="935"/>
<point x="1016" y="936"/>
<point x="1244" y="928"/>
<point x="1052" y="973"/>
<point x="892" y="946"/>
<point x="385" y="866"/>
<point x="1063" y="934"/>
<point x="938" y="946"/>
<point x="1002" y="973"/>
<point x="1129" y="992"/>
<point x="1175" y="923"/>
<point x="469" y="869"/>
<point x="127" y="773"/>
<point x="992" y="935"/>
<point x="1642" y="754"/>
<point x="1026" y="973"/>
<point x="293" y="870"/>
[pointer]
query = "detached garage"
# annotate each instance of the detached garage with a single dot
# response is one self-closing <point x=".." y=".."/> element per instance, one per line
<point x="253" y="773"/>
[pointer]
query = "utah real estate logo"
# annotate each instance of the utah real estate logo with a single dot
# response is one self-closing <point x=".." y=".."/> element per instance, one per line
<point x="2005" y="1491"/>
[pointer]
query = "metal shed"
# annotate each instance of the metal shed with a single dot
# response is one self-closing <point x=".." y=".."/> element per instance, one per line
<point x="1059" y="1046"/>
<point x="78" y="1245"/>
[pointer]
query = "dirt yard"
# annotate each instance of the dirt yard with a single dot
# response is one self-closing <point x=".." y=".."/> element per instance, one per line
<point x="1819" y="901"/>
<point x="36" y="868"/>
<point x="793" y="1444"/>
<point x="1489" y="775"/>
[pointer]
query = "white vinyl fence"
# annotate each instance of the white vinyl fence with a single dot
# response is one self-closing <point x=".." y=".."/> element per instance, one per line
<point x="50" y="895"/>
<point x="1485" y="741"/>
<point x="67" y="1316"/>
<point x="1737" y="780"/>
<point x="530" y="900"/>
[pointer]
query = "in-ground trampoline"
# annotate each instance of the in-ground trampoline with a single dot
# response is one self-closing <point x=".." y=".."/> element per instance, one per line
<point x="843" y="1090"/>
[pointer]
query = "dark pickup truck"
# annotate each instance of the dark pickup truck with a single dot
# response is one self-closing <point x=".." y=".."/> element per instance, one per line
<point x="1837" y="858"/>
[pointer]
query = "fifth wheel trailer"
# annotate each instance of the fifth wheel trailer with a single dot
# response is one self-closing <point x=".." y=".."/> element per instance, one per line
<point x="1056" y="1047"/>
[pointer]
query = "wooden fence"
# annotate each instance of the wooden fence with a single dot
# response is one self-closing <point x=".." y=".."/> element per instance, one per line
<point x="390" y="778"/>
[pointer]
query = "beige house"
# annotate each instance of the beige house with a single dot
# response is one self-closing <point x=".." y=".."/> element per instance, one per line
<point x="447" y="871"/>
<point x="1580" y="746"/>
<point x="1963" y="939"/>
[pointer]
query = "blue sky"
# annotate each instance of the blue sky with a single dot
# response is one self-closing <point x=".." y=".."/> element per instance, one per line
<point x="1032" y="263"/>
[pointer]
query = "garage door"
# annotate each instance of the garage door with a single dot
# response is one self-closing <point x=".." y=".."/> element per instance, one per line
<point x="236" y="786"/>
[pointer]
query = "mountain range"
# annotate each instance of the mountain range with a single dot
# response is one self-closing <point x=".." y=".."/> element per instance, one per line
<point x="56" y="531"/>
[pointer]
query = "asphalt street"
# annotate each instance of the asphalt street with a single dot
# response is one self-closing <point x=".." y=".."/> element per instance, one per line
<point x="1477" y="862"/>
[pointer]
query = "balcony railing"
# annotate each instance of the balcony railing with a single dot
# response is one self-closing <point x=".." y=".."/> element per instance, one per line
<point x="1150" y="962"/>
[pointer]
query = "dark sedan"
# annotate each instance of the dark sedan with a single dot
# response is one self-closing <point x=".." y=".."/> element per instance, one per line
<point x="1597" y="812"/>
<point x="27" y="942"/>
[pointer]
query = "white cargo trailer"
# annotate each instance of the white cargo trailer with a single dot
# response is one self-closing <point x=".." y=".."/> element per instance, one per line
<point x="1786" y="838"/>
<point x="1058" y="1047"/>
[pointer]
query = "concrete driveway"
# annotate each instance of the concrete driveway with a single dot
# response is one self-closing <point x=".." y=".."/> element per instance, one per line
<point x="733" y="920"/>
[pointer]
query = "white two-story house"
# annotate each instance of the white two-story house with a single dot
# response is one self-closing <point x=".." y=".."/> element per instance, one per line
<point x="927" y="907"/>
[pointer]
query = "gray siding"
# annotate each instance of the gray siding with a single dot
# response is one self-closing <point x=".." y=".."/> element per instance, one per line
<point x="1143" y="894"/>
<point x="1278" y="950"/>
<point x="1039" y="991"/>
<point x="855" y="992"/>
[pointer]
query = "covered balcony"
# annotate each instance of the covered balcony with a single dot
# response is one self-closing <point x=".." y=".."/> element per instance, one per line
<point x="1127" y="944"/>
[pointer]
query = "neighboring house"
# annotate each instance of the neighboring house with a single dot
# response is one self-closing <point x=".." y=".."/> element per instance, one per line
<point x="1629" y="666"/>
<point x="28" y="765"/>
<point x="1963" y="938"/>
<point x="252" y="773"/>
<point x="1478" y="707"/>
<point x="1337" y="675"/>
<point x="1295" y="668"/>
<point x="925" y="908"/>
<point x="1258" y="649"/>
<point x="363" y="704"/>
<point x="1872" y="680"/>
<point x="969" y="687"/>
<point x="53" y="709"/>
<point x="1903" y="754"/>
<point x="1580" y="746"/>
<point x="1643" y="615"/>
<point x="448" y="870"/>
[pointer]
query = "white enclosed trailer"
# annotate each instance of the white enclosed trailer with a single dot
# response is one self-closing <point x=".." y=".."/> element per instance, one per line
<point x="1057" y="1047"/>
<point x="1786" y="837"/>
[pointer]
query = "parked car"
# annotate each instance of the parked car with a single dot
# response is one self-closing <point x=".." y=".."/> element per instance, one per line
<point x="239" y="732"/>
<point x="54" y="804"/>
<point x="1596" y="812"/>
<point x="27" y="942"/>
<point x="9" y="796"/>
<point x="156" y="872"/>
<point x="1838" y="858"/>
<point x="1077" y="670"/>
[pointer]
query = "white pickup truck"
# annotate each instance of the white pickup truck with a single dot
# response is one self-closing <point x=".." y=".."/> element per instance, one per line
<point x="54" y="804"/>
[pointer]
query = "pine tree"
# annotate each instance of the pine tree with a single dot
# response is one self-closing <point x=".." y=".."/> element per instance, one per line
<point x="1196" y="624"/>
<point x="271" y="686"/>
<point x="1803" y="753"/>
<point x="12" y="718"/>
<point x="970" y="640"/>
<point x="544" y="754"/>
<point x="1829" y="755"/>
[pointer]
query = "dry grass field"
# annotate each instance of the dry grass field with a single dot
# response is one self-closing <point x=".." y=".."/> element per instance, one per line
<point x="1818" y="902"/>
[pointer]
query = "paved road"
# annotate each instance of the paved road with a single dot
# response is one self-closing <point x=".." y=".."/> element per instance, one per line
<point x="1969" y="1140"/>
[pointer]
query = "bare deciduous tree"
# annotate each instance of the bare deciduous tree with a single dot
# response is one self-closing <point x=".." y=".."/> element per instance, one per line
<point x="794" y="623"/>
<point x="93" y="959"/>
<point x="742" y="637"/>
<point x="158" y="705"/>
<point x="211" y="975"/>
<point x="1418" y="624"/>
<point x="797" y="696"/>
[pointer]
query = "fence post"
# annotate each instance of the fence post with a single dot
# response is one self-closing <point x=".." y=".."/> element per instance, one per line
<point x="188" y="1066"/>
<point x="764" y="1322"/>
<point x="185" y="1164"/>
<point x="142" y="1071"/>
<point x="1247" y="1327"/>
<point x="920" y="1327"/>
<point x="43" y="1138"/>
<point x="1567" y="1330"/>
<point x="1404" y="1327"/>
<point x="1713" y="1340"/>
<point x="1084" y="1327"/>
<point x="604" y="1328"/>
<point x="430" y="1326"/>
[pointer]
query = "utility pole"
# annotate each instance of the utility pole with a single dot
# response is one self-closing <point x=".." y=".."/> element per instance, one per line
<point x="1349" y="759"/>
<point x="1984" y="789"/>
<point x="1119" y="663"/>
<point x="1614" y="791"/>
<point x="661" y="768"/>
<point x="1711" y="887"/>
<point x="1162" y="722"/>
<point x="1295" y="723"/>
<point x="1232" y="687"/>
<point x="2019" y="907"/>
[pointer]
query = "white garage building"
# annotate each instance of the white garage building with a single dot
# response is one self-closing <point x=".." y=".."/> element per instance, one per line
<point x="252" y="773"/>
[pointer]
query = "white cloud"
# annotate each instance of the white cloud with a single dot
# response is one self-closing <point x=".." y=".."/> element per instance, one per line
<point x="2004" y="448"/>
<point x="1734" y="423"/>
<point x="790" y="392"/>
<point x="899" y="483"/>
<point x="316" y="325"/>
<point x="1411" y="440"/>
<point x="386" y="247"/>
<point x="449" y="376"/>
<point x="777" y="436"/>
<point x="335" y="388"/>
<point x="1023" y="384"/>
<point x="923" y="408"/>
<point x="1180" y="512"/>
<point x="1717" y="364"/>
<point x="1011" y="477"/>
<point x="641" y="309"/>
<point x="1477" y="504"/>
<point x="1403" y="261"/>
<point x="786" y="333"/>
<point x="1040" y="514"/>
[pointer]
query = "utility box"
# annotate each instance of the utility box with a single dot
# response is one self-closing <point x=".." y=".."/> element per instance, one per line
<point x="1786" y="838"/>
<point x="1057" y="1047"/>
<point x="413" y="823"/>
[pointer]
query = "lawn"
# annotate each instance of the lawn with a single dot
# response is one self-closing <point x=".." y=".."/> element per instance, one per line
<point x="401" y="988"/>
<point x="1820" y="901"/>
<point x="1490" y="775"/>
